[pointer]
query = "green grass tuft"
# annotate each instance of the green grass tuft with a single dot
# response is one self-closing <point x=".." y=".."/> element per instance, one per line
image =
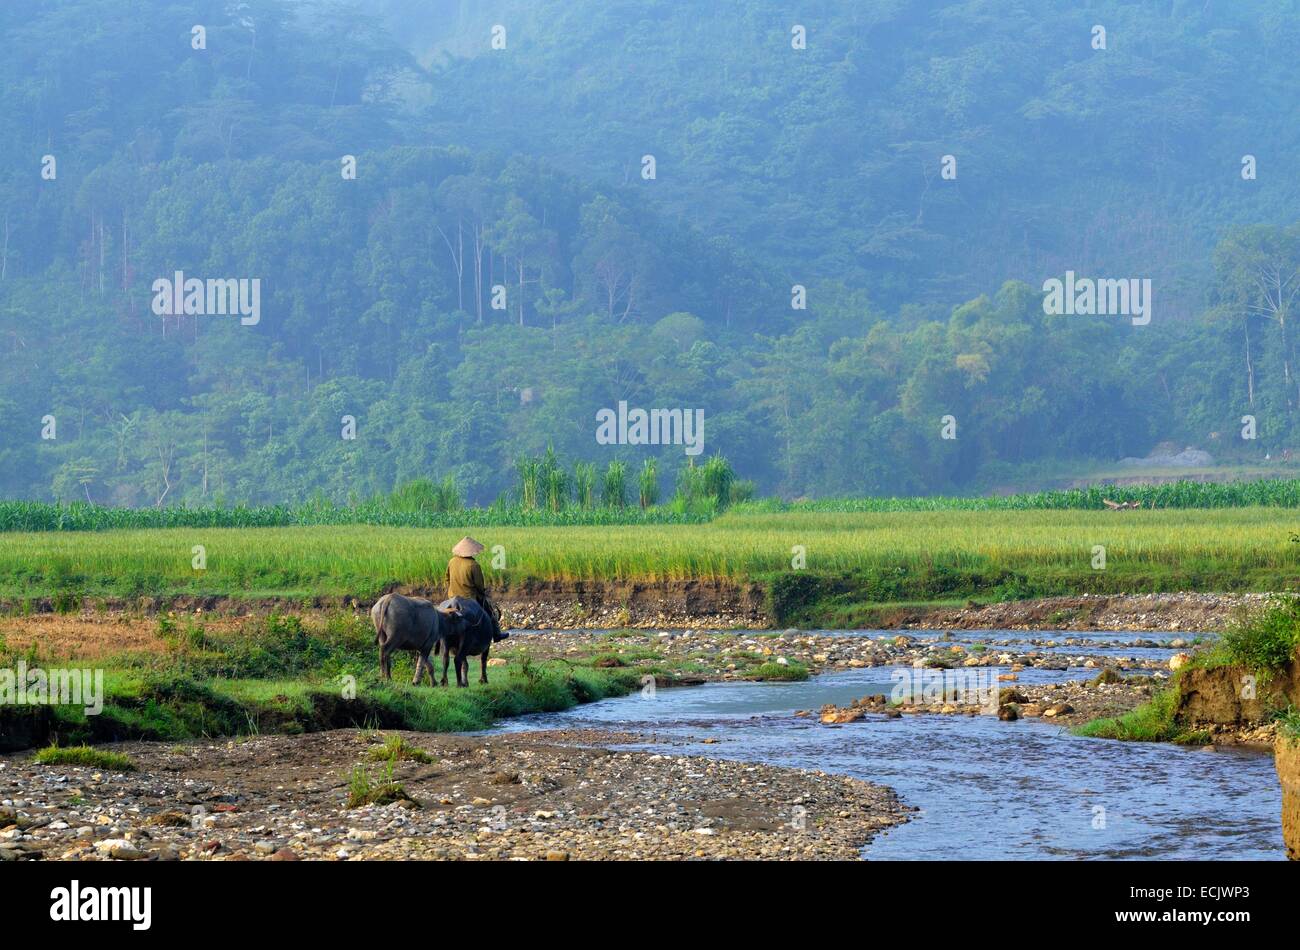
<point x="791" y="672"/>
<point x="397" y="749"/>
<point x="86" y="756"/>
<point x="1288" y="724"/>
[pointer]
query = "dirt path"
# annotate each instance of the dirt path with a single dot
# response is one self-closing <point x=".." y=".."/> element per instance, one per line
<point x="536" y="796"/>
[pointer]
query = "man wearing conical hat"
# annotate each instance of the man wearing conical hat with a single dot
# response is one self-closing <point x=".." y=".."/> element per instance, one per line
<point x="464" y="576"/>
<point x="465" y="579"/>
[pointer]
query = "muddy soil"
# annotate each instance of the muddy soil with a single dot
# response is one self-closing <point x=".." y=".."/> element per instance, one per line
<point x="544" y="796"/>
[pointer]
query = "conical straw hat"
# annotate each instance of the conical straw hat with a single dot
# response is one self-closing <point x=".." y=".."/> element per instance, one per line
<point x="467" y="547"/>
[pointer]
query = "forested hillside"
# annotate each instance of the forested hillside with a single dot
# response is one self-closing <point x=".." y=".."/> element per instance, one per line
<point x="825" y="162"/>
<point x="513" y="177"/>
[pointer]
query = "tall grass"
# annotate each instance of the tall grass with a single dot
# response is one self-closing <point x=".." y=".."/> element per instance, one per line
<point x="425" y="495"/>
<point x="613" y="492"/>
<point x="584" y="485"/>
<point x="648" y="484"/>
<point x="530" y="482"/>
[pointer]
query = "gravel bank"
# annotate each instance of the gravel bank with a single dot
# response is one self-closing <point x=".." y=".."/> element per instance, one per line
<point x="723" y="655"/>
<point x="541" y="797"/>
<point x="677" y="604"/>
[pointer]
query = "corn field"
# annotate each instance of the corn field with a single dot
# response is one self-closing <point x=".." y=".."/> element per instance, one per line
<point x="79" y="516"/>
<point x="544" y="502"/>
<point x="1271" y="493"/>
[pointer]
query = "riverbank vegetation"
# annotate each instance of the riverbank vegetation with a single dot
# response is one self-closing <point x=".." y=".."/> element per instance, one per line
<point x="280" y="673"/>
<point x="1153" y="721"/>
<point x="1264" y="643"/>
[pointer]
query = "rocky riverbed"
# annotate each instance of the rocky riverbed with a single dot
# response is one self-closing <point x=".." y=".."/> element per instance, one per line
<point x="1067" y="704"/>
<point x="1149" y="612"/>
<point x="730" y="655"/>
<point x="742" y="609"/>
<point x="714" y="605"/>
<point x="544" y="796"/>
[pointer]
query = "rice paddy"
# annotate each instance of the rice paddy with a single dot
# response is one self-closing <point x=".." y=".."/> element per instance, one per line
<point x="1021" y="552"/>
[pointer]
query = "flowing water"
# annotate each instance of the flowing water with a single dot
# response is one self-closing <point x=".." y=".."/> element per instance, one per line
<point x="985" y="788"/>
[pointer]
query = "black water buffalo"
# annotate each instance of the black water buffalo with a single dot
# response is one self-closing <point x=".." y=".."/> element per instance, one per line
<point x="410" y="623"/>
<point x="472" y="633"/>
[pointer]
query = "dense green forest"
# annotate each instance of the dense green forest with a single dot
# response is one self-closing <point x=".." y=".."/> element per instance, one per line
<point x="500" y="267"/>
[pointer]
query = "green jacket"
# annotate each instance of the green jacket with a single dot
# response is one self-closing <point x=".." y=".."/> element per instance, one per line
<point x="465" y="579"/>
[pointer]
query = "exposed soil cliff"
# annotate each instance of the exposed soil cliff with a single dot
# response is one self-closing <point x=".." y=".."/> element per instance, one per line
<point x="1286" y="757"/>
<point x="1230" y="696"/>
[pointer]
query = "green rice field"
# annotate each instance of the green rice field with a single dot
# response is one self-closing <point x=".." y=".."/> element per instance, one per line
<point x="890" y="555"/>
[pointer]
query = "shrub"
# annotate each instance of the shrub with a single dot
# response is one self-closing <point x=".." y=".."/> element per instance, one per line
<point x="1266" y="640"/>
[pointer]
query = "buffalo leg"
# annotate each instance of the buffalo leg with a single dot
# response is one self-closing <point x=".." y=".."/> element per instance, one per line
<point x="385" y="663"/>
<point x="419" y="669"/>
<point x="446" y="658"/>
<point x="462" y="669"/>
<point x="483" y="667"/>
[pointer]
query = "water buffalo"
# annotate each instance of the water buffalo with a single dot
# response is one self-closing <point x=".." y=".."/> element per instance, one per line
<point x="410" y="623"/>
<point x="472" y="633"/>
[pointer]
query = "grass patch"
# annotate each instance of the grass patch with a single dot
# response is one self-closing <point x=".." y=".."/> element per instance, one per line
<point x="363" y="790"/>
<point x="397" y="749"/>
<point x="789" y="672"/>
<point x="86" y="756"/>
<point x="1153" y="721"/>
<point x="1288" y="724"/>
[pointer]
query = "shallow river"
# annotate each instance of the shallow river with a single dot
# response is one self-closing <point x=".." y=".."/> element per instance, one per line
<point x="985" y="788"/>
